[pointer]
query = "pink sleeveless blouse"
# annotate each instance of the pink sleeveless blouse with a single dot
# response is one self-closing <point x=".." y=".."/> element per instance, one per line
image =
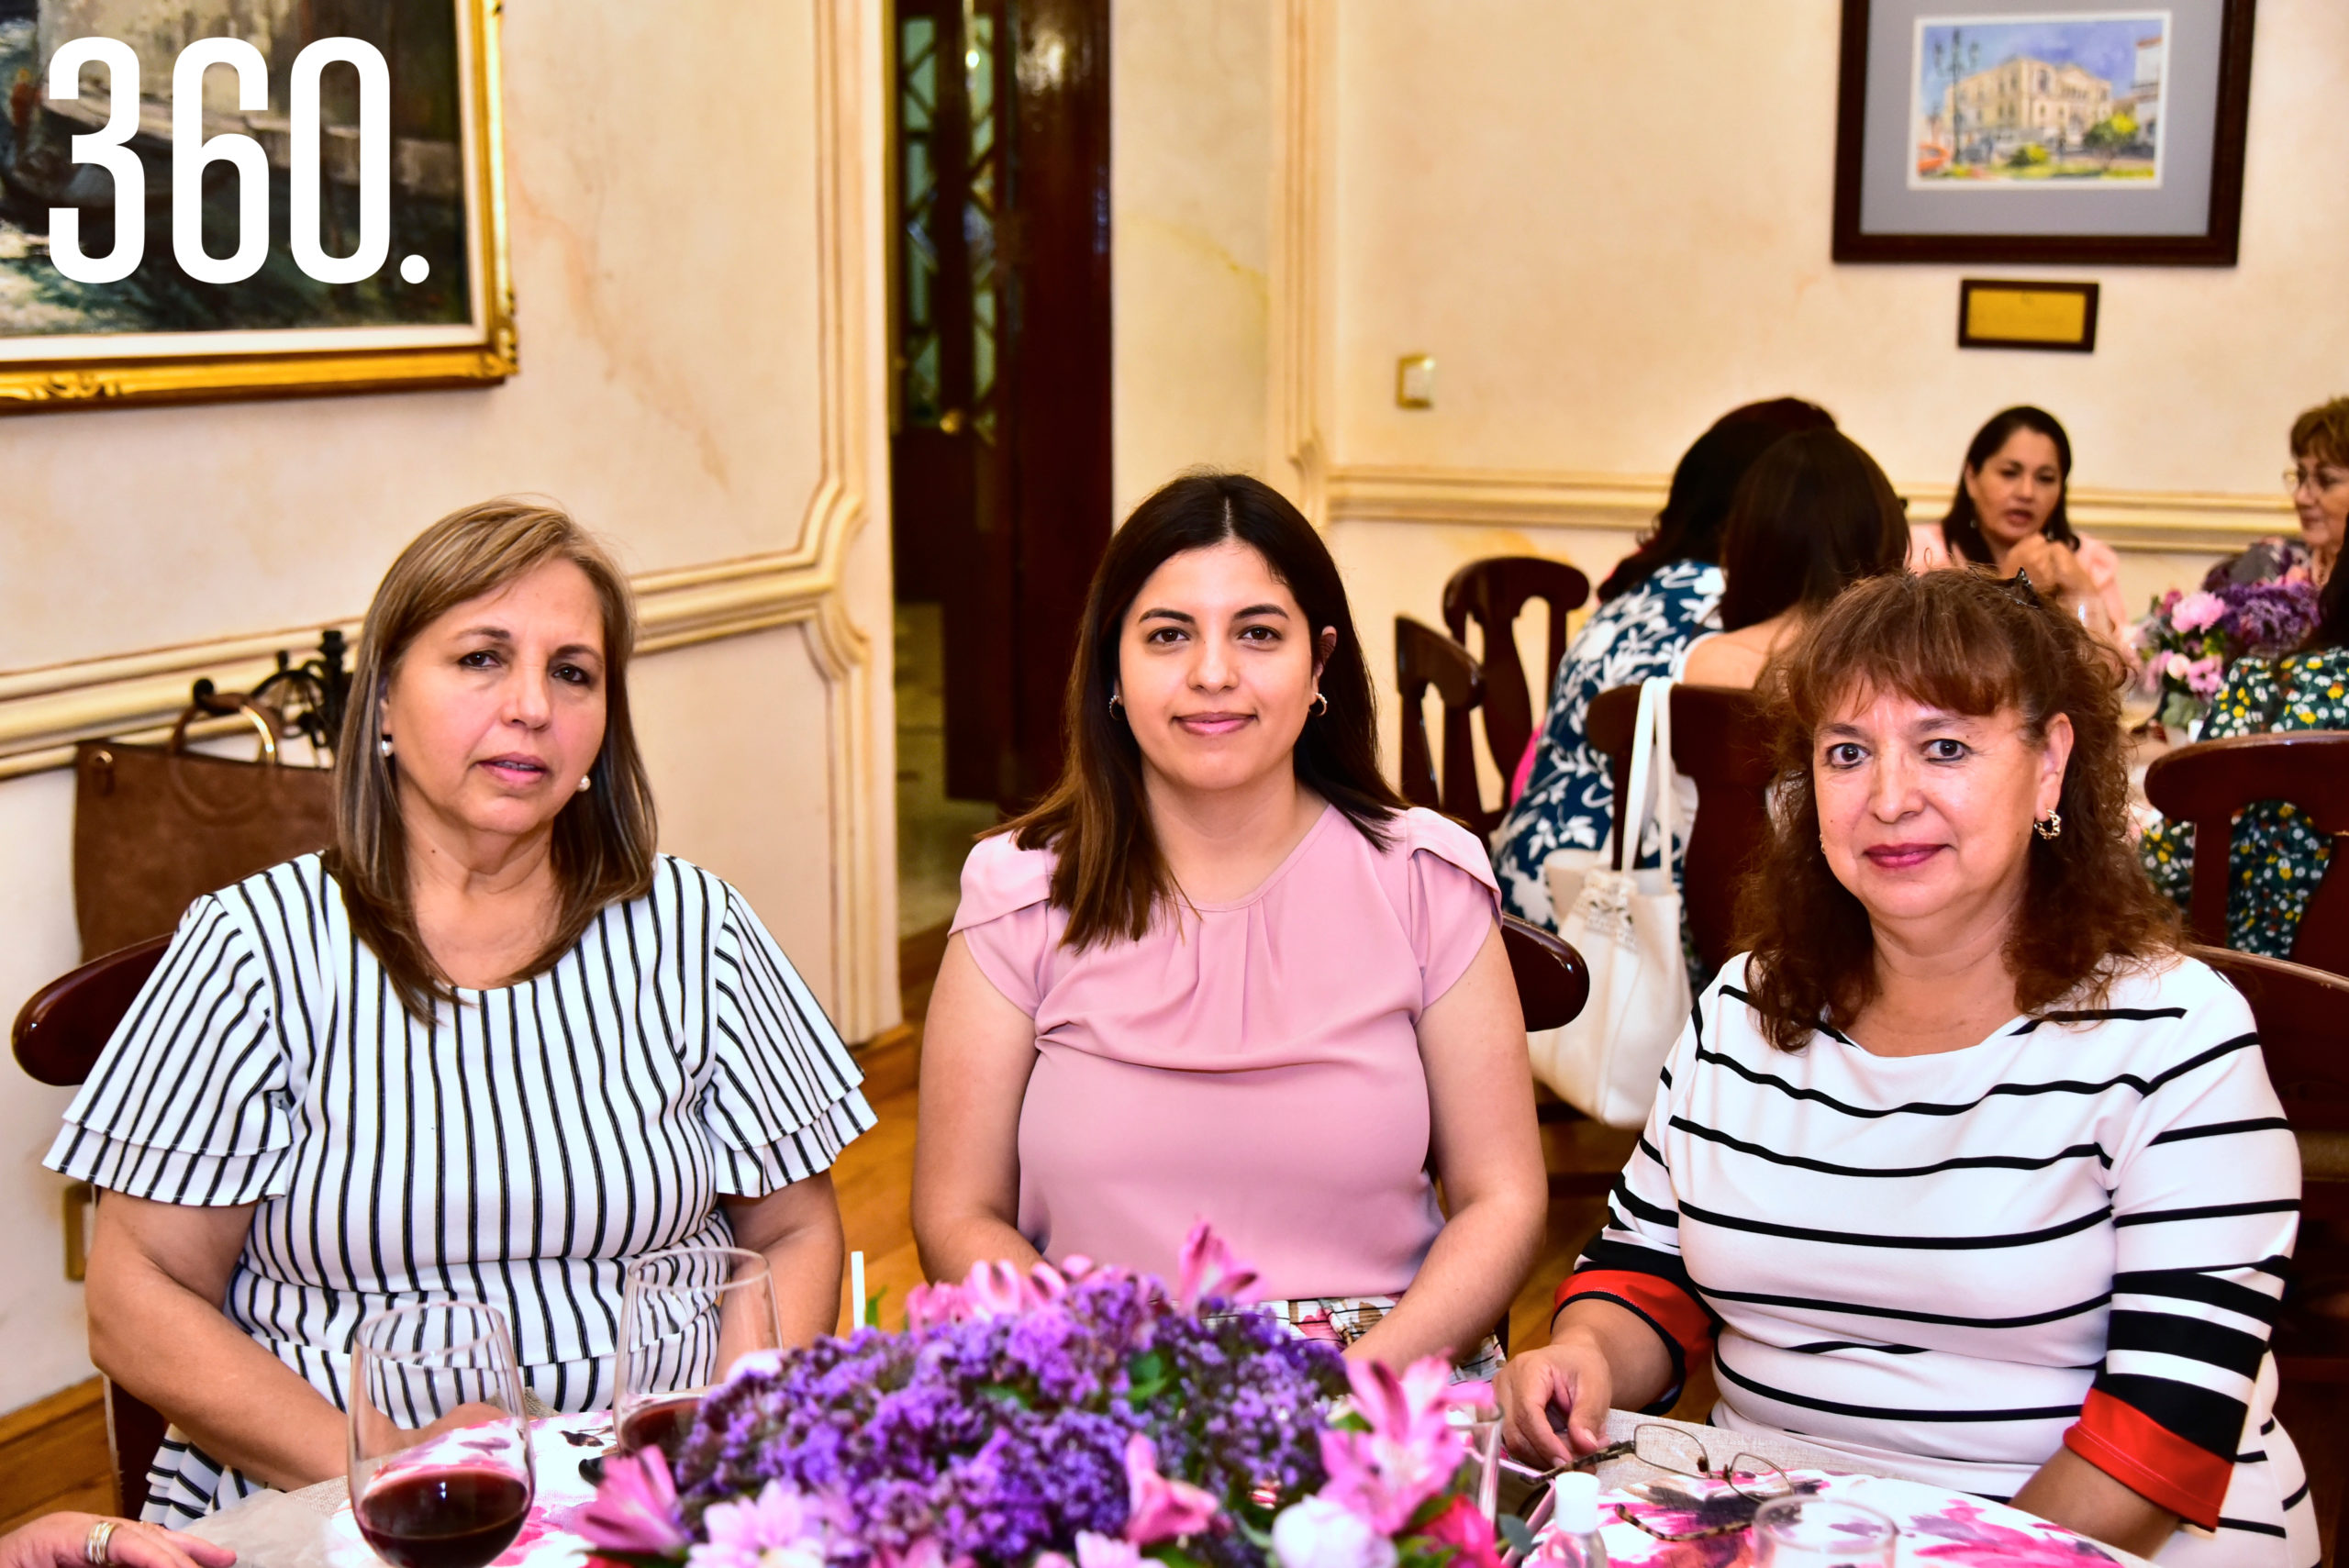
<point x="1255" y="1063"/>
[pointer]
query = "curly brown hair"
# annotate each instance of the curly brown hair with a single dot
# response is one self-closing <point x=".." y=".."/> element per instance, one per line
<point x="1962" y="642"/>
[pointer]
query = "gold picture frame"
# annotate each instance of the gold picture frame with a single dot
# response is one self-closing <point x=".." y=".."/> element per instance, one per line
<point x="189" y="367"/>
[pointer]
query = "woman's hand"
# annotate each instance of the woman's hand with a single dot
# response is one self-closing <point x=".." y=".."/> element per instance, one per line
<point x="2055" y="570"/>
<point x="1555" y="1400"/>
<point x="57" y="1541"/>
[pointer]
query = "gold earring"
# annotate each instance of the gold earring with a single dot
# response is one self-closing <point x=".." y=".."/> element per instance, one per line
<point x="1320" y="705"/>
<point x="1116" y="702"/>
<point x="2049" y="826"/>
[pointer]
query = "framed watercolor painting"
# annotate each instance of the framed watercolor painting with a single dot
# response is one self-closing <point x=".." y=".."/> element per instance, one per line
<point x="2029" y="130"/>
<point x="334" y="163"/>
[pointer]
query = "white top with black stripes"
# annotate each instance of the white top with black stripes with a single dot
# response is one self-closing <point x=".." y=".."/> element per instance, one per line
<point x="518" y="1151"/>
<point x="2071" y="1234"/>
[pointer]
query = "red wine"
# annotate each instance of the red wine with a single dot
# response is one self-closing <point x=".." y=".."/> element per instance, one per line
<point x="663" y="1422"/>
<point x="458" y="1517"/>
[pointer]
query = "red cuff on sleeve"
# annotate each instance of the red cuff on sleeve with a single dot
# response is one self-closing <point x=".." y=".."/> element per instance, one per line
<point x="2151" y="1460"/>
<point x="1671" y="1308"/>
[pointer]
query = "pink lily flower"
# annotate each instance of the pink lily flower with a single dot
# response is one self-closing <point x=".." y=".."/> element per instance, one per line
<point x="1161" y="1508"/>
<point x="1210" y="1267"/>
<point x="1411" y="1452"/>
<point x="635" y="1509"/>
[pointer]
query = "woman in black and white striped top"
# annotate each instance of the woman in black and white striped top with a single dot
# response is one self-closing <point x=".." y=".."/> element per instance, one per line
<point x="1963" y="1170"/>
<point x="490" y="1047"/>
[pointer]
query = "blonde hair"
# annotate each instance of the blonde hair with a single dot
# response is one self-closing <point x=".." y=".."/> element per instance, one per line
<point x="604" y="839"/>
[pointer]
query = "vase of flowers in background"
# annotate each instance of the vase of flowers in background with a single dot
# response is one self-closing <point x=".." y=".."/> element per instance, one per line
<point x="2261" y="601"/>
<point x="1075" y="1417"/>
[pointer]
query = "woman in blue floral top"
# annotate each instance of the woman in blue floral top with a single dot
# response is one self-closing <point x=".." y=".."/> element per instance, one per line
<point x="1661" y="598"/>
<point x="2278" y="859"/>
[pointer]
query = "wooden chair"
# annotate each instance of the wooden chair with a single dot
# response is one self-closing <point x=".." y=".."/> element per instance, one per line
<point x="2208" y="783"/>
<point x="1425" y="657"/>
<point x="1492" y="592"/>
<point x="1553" y="982"/>
<point x="58" y="1037"/>
<point x="2298" y="1012"/>
<point x="1722" y="739"/>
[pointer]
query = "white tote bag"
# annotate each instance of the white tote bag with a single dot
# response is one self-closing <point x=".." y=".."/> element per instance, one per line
<point x="1626" y="924"/>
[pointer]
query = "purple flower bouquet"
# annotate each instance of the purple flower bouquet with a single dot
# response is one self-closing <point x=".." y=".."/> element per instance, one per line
<point x="1085" y="1418"/>
<point x="2187" y="640"/>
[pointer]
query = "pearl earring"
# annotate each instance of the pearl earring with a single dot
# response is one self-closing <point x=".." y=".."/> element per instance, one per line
<point x="384" y="745"/>
<point x="585" y="781"/>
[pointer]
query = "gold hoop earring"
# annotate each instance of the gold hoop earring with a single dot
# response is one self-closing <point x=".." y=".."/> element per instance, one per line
<point x="2049" y="826"/>
<point x="1320" y="705"/>
<point x="1116" y="705"/>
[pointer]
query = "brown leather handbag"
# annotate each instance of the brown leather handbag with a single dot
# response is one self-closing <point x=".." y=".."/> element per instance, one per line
<point x="155" y="828"/>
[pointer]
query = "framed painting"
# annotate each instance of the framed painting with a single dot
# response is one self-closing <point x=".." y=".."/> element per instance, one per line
<point x="2033" y="131"/>
<point x="249" y="199"/>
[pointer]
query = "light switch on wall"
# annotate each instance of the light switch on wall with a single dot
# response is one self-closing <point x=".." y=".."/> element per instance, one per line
<point x="1415" y="381"/>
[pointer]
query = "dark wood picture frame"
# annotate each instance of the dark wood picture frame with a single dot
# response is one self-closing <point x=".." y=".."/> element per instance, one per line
<point x="2085" y="344"/>
<point x="2214" y="247"/>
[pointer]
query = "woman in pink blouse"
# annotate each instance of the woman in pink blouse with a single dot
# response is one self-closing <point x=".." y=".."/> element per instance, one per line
<point x="1223" y="973"/>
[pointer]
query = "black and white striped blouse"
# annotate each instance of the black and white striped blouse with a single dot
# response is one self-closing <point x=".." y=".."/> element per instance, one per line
<point x="2072" y="1234"/>
<point x="519" y="1152"/>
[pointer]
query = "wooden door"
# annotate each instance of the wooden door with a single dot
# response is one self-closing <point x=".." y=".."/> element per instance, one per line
<point x="1000" y="417"/>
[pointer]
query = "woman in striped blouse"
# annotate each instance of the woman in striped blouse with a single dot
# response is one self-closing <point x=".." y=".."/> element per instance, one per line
<point x="1963" y="1170"/>
<point x="490" y="1046"/>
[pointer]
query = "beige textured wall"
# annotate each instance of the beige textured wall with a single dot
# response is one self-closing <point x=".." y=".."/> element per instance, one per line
<point x="667" y="281"/>
<point x="1190" y="220"/>
<point x="1609" y="223"/>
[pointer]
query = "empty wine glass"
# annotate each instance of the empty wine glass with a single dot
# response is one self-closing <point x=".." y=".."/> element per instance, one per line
<point x="440" y="1469"/>
<point x="686" y="1315"/>
<point x="1821" y="1532"/>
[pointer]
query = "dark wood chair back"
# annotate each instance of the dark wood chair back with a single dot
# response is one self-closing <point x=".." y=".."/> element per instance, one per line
<point x="58" y="1037"/>
<point x="2297" y="1011"/>
<point x="1720" y="739"/>
<point x="1553" y="982"/>
<point x="2208" y="782"/>
<point x="1426" y="658"/>
<point x="1492" y="592"/>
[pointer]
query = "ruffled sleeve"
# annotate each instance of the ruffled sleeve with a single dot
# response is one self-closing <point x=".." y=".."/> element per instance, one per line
<point x="1005" y="917"/>
<point x="188" y="1103"/>
<point x="1451" y="898"/>
<point x="782" y="1100"/>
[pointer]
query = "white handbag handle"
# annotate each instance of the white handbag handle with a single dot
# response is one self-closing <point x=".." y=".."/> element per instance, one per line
<point x="1650" y="785"/>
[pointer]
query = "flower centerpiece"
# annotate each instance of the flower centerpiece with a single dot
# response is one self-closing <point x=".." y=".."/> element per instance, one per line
<point x="1070" y="1418"/>
<point x="2187" y="640"/>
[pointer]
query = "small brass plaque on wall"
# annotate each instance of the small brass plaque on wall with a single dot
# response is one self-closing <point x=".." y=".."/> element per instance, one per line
<point x="1999" y="314"/>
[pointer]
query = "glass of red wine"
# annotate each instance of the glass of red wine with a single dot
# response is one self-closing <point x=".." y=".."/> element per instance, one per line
<point x="686" y="1315"/>
<point x="441" y="1468"/>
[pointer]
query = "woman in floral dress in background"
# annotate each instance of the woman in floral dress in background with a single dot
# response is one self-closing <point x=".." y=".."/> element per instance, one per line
<point x="1660" y="599"/>
<point x="2277" y="858"/>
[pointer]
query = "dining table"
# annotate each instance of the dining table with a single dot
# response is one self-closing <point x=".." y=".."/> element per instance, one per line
<point x="313" y="1527"/>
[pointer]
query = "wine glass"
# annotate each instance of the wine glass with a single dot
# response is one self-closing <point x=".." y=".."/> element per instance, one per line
<point x="1821" y="1532"/>
<point x="440" y="1469"/>
<point x="686" y="1315"/>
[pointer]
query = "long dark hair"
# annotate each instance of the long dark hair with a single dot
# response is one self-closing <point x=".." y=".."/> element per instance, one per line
<point x="1689" y="527"/>
<point x="1965" y="643"/>
<point x="1108" y="871"/>
<point x="1814" y="515"/>
<point x="1961" y="529"/>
